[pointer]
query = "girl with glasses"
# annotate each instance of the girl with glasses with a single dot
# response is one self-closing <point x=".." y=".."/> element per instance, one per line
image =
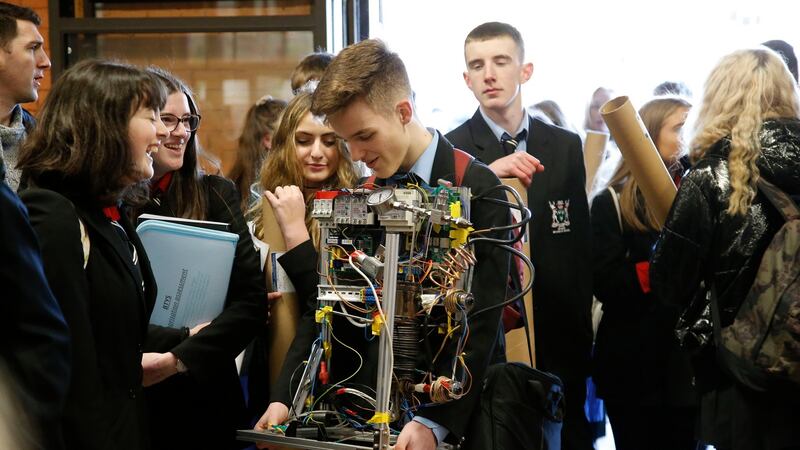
<point x="194" y="396"/>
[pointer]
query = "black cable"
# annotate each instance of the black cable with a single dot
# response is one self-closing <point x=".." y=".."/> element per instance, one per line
<point x="500" y="202"/>
<point x="501" y="187"/>
<point x="520" y="205"/>
<point x="522" y="225"/>
<point x="526" y="218"/>
<point x="519" y="295"/>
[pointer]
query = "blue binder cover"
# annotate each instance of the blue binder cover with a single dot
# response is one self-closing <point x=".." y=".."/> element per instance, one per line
<point x="192" y="267"/>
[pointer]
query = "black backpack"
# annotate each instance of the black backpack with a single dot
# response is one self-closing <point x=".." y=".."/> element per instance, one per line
<point x="521" y="408"/>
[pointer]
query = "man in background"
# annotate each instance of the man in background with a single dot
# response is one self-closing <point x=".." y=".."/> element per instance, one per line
<point x="502" y="135"/>
<point x="22" y="65"/>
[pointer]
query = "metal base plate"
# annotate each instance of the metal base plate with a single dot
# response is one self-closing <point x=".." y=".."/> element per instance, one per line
<point x="360" y="440"/>
<point x="293" y="442"/>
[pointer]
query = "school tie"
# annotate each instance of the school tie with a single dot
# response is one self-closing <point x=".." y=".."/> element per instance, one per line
<point x="510" y="144"/>
<point x="398" y="178"/>
<point x="404" y="178"/>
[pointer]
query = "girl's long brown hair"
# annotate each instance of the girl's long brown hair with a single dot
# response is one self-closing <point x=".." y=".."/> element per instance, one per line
<point x="262" y="118"/>
<point x="282" y="167"/>
<point x="634" y="211"/>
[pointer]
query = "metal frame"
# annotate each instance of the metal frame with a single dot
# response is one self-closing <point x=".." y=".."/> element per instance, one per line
<point x="381" y="437"/>
<point x="308" y="444"/>
<point x="63" y="23"/>
<point x="383" y="389"/>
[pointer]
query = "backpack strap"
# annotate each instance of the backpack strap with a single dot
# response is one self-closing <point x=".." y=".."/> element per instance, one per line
<point x="779" y="199"/>
<point x="463" y="160"/>
<point x="615" y="198"/>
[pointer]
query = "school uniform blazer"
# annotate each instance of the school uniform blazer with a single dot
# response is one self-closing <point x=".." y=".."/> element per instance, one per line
<point x="562" y="285"/>
<point x="204" y="407"/>
<point x="35" y="349"/>
<point x="106" y="306"/>
<point x="488" y="286"/>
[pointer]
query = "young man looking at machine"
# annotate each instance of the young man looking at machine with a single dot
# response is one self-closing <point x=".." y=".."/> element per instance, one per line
<point x="366" y="97"/>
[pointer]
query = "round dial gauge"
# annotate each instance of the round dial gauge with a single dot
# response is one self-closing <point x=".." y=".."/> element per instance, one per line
<point x="381" y="199"/>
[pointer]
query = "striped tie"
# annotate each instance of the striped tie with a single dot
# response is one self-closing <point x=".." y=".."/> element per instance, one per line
<point x="510" y="144"/>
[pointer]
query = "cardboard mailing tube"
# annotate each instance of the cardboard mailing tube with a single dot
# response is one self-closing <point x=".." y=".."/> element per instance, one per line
<point x="516" y="343"/>
<point x="640" y="153"/>
<point x="593" y="150"/>
<point x="284" y="312"/>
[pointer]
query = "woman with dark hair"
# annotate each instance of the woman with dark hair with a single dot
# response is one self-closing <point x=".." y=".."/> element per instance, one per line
<point x="97" y="131"/>
<point x="195" y="399"/>
<point x="719" y="227"/>
<point x="255" y="143"/>
<point x="639" y="370"/>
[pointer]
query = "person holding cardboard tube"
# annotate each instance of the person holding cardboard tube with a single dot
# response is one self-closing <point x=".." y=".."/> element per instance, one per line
<point x="720" y="225"/>
<point x="639" y="370"/>
<point x="307" y="156"/>
<point x="549" y="161"/>
<point x="635" y="144"/>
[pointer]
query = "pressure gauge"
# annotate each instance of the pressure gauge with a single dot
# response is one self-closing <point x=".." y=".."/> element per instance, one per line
<point x="381" y="200"/>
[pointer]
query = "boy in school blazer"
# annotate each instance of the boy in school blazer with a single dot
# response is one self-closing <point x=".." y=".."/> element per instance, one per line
<point x="366" y="97"/>
<point x="502" y="135"/>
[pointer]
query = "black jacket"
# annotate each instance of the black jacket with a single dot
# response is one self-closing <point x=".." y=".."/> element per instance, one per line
<point x="489" y="287"/>
<point x="106" y="306"/>
<point x="636" y="357"/>
<point x="562" y="289"/>
<point x="701" y="242"/>
<point x="204" y="407"/>
<point x="35" y="338"/>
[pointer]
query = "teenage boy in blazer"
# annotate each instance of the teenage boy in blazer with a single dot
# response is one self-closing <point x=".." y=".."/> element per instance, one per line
<point x="366" y="97"/>
<point x="502" y="135"/>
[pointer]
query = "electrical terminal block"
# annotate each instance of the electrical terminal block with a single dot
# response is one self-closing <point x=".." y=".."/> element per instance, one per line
<point x="322" y="208"/>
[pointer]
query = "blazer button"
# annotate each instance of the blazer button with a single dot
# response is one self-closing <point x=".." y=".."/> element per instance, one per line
<point x="132" y="393"/>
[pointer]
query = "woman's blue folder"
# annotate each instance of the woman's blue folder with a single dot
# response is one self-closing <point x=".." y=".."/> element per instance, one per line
<point x="192" y="267"/>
